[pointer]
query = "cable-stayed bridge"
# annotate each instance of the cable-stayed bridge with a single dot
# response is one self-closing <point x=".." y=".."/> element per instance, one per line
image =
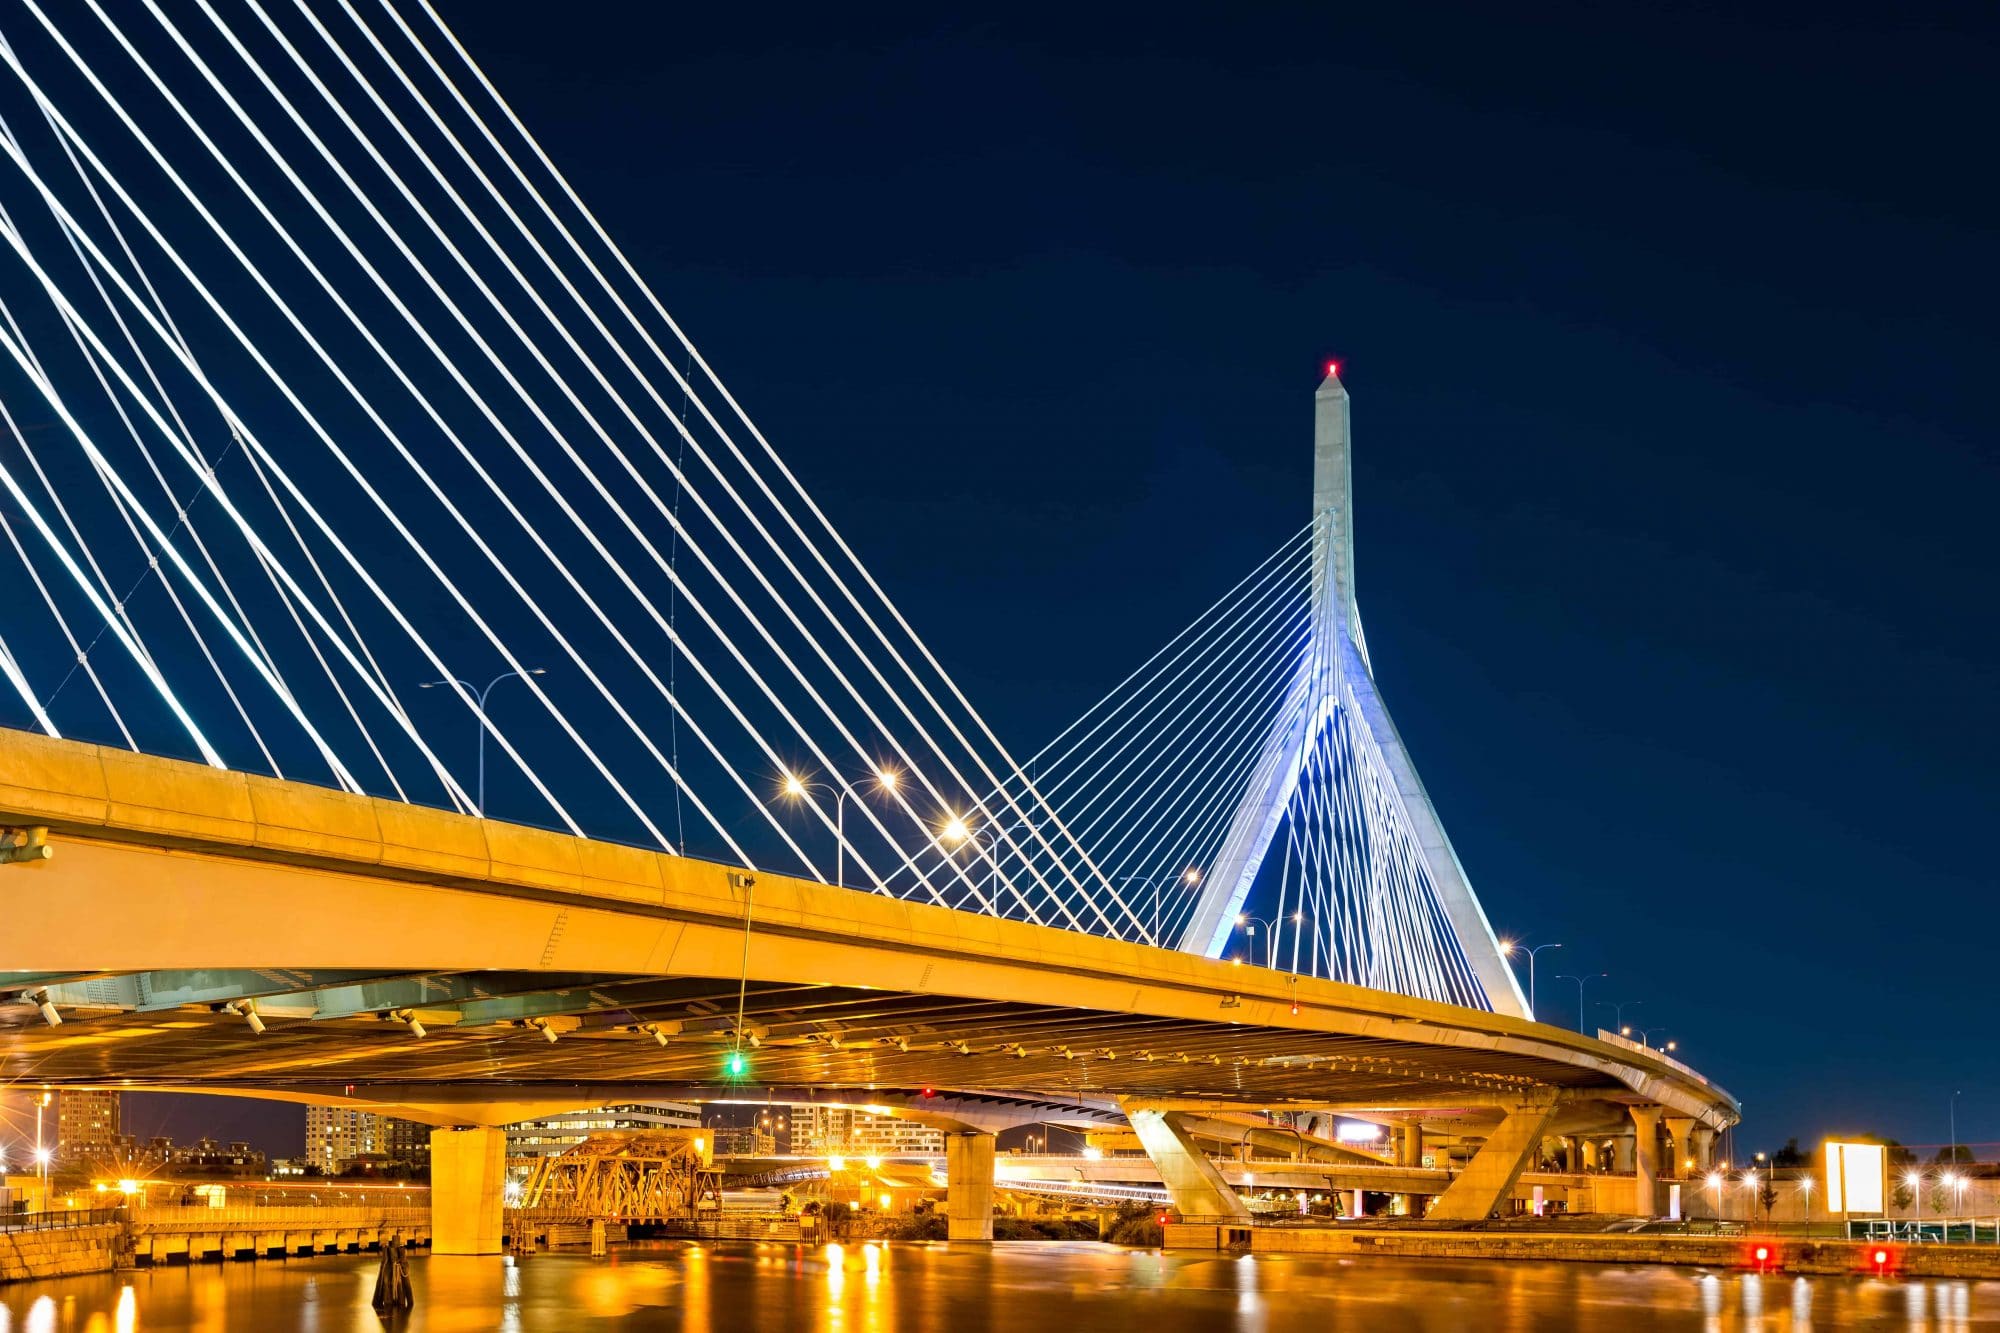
<point x="322" y="387"/>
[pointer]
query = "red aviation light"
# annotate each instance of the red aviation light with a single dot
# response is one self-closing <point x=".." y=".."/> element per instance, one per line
<point x="1333" y="367"/>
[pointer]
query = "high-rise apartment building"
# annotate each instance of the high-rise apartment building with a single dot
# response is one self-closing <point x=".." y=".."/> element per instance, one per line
<point x="86" y="1126"/>
<point x="336" y="1135"/>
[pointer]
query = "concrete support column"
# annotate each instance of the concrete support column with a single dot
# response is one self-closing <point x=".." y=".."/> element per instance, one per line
<point x="1360" y="1204"/>
<point x="1703" y="1143"/>
<point x="1478" y="1191"/>
<point x="1410" y="1145"/>
<point x="1680" y="1132"/>
<point x="968" y="1170"/>
<point x="1646" y="1160"/>
<point x="1571" y="1162"/>
<point x="468" y="1183"/>
<point x="1590" y="1155"/>
<point x="1621" y="1155"/>
<point x="1196" y="1187"/>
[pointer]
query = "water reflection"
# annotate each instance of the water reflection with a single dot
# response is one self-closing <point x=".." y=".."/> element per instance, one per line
<point x="1048" y="1288"/>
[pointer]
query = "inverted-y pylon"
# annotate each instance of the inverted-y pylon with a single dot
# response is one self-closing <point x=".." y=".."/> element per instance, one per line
<point x="1394" y="905"/>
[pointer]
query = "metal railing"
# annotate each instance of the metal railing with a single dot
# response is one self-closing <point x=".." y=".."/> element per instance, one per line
<point x="1928" y="1231"/>
<point x="61" y="1219"/>
<point x="253" y="1215"/>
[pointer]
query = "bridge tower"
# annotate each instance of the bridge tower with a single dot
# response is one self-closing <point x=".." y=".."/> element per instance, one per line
<point x="1334" y="675"/>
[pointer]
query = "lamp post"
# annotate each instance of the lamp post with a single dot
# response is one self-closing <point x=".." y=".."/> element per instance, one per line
<point x="481" y="710"/>
<point x="796" y="787"/>
<point x="1190" y="877"/>
<point x="1510" y="947"/>
<point x="1250" y="924"/>
<point x="1594" y="976"/>
<point x="1646" y="1037"/>
<point x="1618" y="1008"/>
<point x="42" y="1153"/>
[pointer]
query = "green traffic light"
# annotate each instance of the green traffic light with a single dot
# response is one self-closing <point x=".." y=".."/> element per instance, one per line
<point x="737" y="1064"/>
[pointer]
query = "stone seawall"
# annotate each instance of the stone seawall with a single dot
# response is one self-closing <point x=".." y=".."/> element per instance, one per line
<point x="1783" y="1254"/>
<point x="60" y="1252"/>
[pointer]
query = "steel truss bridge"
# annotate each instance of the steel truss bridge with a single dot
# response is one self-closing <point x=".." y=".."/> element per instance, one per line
<point x="330" y="415"/>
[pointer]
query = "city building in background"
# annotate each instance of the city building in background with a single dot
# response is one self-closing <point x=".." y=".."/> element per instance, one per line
<point x="337" y="1135"/>
<point x="554" y="1134"/>
<point x="743" y="1141"/>
<point x="844" y="1129"/>
<point x="87" y="1126"/>
<point x="407" y="1142"/>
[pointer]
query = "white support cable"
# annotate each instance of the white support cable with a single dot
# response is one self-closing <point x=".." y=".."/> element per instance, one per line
<point x="1207" y="674"/>
<point x="160" y="536"/>
<point x="696" y="357"/>
<point x="149" y="555"/>
<point x="443" y="359"/>
<point x="10" y="668"/>
<point x="298" y="405"/>
<point x="111" y="618"/>
<point x="1237" y="709"/>
<point x="457" y="792"/>
<point x="193" y="443"/>
<point x="80" y="655"/>
<point x="1203" y="823"/>
<point x="498" y="364"/>
<point x="146" y="142"/>
<point x="1228" y="604"/>
<point x="1193" y="659"/>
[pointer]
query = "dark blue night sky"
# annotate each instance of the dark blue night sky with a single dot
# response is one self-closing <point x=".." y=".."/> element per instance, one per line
<point x="1669" y="330"/>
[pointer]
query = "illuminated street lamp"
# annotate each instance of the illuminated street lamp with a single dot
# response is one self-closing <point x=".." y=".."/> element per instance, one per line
<point x="1915" y="1180"/>
<point x="795" y="788"/>
<point x="1715" y="1184"/>
<point x="1250" y="924"/>
<point x="1806" y="1184"/>
<point x="480" y="804"/>
<point x="1511" y="947"/>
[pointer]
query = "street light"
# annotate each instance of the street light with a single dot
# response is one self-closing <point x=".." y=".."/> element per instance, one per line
<point x="1646" y="1037"/>
<point x="1510" y="947"/>
<point x="1618" y="1008"/>
<point x="42" y="1154"/>
<point x="1250" y="924"/>
<point x="795" y="788"/>
<point x="1594" y="976"/>
<point x="480" y="804"/>
<point x="1190" y="877"/>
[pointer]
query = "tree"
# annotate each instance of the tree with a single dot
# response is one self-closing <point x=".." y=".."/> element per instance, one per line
<point x="1955" y="1154"/>
<point x="1790" y="1155"/>
<point x="1767" y="1194"/>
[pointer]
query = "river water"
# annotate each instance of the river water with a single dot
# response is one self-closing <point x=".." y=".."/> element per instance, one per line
<point x="1036" y="1287"/>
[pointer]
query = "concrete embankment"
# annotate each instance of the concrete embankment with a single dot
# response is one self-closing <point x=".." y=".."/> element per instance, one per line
<point x="1781" y="1254"/>
<point x="191" y="1235"/>
<point x="56" y="1253"/>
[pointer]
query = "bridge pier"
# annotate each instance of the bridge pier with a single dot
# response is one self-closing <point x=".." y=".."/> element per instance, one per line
<point x="1680" y="1132"/>
<point x="1197" y="1188"/>
<point x="1410" y="1144"/>
<point x="468" y="1187"/>
<point x="1491" y="1174"/>
<point x="1645" y="1160"/>
<point x="968" y="1170"/>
